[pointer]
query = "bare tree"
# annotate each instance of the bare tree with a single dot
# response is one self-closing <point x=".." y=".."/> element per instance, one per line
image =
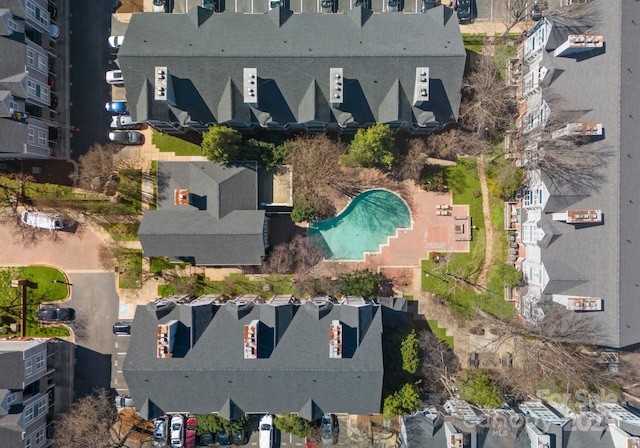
<point x="518" y="11"/>
<point x="439" y="362"/>
<point x="488" y="104"/>
<point x="414" y="160"/>
<point x="452" y="142"/>
<point x="97" y="165"/>
<point x="94" y="421"/>
<point x="297" y="256"/>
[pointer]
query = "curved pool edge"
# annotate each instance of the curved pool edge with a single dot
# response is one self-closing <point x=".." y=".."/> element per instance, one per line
<point x="381" y="246"/>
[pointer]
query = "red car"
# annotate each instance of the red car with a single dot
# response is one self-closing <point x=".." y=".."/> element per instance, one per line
<point x="190" y="439"/>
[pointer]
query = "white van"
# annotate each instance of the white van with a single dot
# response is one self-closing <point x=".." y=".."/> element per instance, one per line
<point x="42" y="220"/>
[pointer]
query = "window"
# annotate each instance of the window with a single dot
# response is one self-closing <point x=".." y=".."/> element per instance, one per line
<point x="13" y="106"/>
<point x="42" y="139"/>
<point x="11" y="398"/>
<point x="28" y="415"/>
<point x="33" y="411"/>
<point x="42" y="63"/>
<point x="30" y="57"/>
<point x="12" y="25"/>
<point x="39" y="437"/>
<point x="31" y="10"/>
<point x="27" y="443"/>
<point x="31" y="88"/>
<point x="42" y="407"/>
<point x="28" y="368"/>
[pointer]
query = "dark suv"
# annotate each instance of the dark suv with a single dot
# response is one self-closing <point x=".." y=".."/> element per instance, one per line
<point x="121" y="328"/>
<point x="464" y="10"/>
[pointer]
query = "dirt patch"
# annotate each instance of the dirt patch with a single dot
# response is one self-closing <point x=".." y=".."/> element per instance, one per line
<point x="143" y="429"/>
<point x="128" y="6"/>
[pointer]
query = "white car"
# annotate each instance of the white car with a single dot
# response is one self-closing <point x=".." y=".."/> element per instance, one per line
<point x="42" y="220"/>
<point x="275" y="3"/>
<point x="114" y="77"/>
<point x="266" y="431"/>
<point x="122" y="121"/>
<point x="115" y="41"/>
<point x="177" y="431"/>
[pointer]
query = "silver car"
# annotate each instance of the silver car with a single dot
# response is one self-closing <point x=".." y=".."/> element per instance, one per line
<point x="126" y="137"/>
<point x="124" y="401"/>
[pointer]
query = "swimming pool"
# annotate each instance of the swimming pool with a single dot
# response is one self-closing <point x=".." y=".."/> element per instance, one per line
<point x="367" y="222"/>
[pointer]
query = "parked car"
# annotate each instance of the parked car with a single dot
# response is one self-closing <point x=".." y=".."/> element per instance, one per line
<point x="117" y="107"/>
<point x="159" y="430"/>
<point x="327" y="5"/>
<point x="54" y="313"/>
<point x="123" y="122"/>
<point x="114" y="77"/>
<point x="207" y="439"/>
<point x="54" y="30"/>
<point x="266" y="431"/>
<point x="190" y="437"/>
<point x="116" y="41"/>
<point x="241" y="436"/>
<point x="159" y="6"/>
<point x="124" y="401"/>
<point x="41" y="220"/>
<point x="329" y="426"/>
<point x="223" y="437"/>
<point x="126" y="137"/>
<point x="122" y="329"/>
<point x="464" y="11"/>
<point x="177" y="431"/>
<point x="275" y="3"/>
<point x="312" y="441"/>
<point x="536" y="13"/>
<point x="392" y="5"/>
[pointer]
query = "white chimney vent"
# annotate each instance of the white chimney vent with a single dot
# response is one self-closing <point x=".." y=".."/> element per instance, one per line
<point x="250" y="77"/>
<point x="336" y="86"/>
<point x="421" y="90"/>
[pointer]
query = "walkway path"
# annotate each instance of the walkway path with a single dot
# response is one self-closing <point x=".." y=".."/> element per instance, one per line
<point x="489" y="232"/>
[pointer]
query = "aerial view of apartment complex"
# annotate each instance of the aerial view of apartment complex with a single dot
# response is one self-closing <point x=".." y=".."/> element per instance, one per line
<point x="298" y="223"/>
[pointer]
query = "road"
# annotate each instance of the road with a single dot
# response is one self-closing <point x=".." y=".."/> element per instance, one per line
<point x="94" y="297"/>
<point x="90" y="24"/>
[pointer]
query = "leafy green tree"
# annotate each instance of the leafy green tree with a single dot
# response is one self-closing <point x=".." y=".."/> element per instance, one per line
<point x="504" y="178"/>
<point x="477" y="388"/>
<point x="269" y="155"/>
<point x="510" y="275"/>
<point x="374" y="147"/>
<point x="405" y="401"/>
<point x="361" y="282"/>
<point x="214" y="423"/>
<point x="411" y="356"/>
<point x="305" y="207"/>
<point x="221" y="144"/>
<point x="294" y="424"/>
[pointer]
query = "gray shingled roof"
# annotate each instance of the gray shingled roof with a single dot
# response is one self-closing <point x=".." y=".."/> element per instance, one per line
<point x="293" y="55"/>
<point x="221" y="225"/>
<point x="292" y="375"/>
<point x="605" y="256"/>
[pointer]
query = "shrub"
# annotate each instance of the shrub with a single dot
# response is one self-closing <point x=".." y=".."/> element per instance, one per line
<point x="405" y="401"/>
<point x="477" y="388"/>
<point x="374" y="147"/>
<point x="221" y="144"/>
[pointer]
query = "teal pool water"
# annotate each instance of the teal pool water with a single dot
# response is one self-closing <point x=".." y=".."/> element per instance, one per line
<point x="369" y="220"/>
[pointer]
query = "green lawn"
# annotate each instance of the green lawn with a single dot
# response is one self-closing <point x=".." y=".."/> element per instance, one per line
<point x="47" y="291"/>
<point x="169" y="143"/>
<point x="158" y="264"/>
<point x="441" y="333"/>
<point x="452" y="278"/>
<point x="473" y="41"/>
<point x="122" y="231"/>
<point x="502" y="54"/>
<point x="233" y="285"/>
<point x="129" y="268"/>
<point x="130" y="189"/>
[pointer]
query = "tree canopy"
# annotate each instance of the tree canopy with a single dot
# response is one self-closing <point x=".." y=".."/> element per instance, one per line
<point x="404" y="401"/>
<point x="214" y="423"/>
<point x="361" y="282"/>
<point x="410" y="350"/>
<point x="221" y="144"/>
<point x="374" y="147"/>
<point x="294" y="424"/>
<point x="477" y="388"/>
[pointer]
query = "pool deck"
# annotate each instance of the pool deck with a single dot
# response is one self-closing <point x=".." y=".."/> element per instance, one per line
<point x="434" y="229"/>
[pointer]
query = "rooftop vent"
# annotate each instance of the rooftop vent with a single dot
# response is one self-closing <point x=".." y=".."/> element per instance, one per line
<point x="576" y="129"/>
<point x="621" y="439"/>
<point x="336" y="86"/>
<point x="578" y="216"/>
<point x="584" y="304"/>
<point x="616" y="412"/>
<point x="163" y="87"/>
<point x="335" y="339"/>
<point x="281" y="299"/>
<point x="250" y="86"/>
<point x="537" y="409"/>
<point x="181" y="196"/>
<point x="538" y="438"/>
<point x="166" y="336"/>
<point x="421" y="90"/>
<point x="251" y="340"/>
<point x="454" y="438"/>
<point x="354" y="301"/>
<point x="577" y="43"/>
